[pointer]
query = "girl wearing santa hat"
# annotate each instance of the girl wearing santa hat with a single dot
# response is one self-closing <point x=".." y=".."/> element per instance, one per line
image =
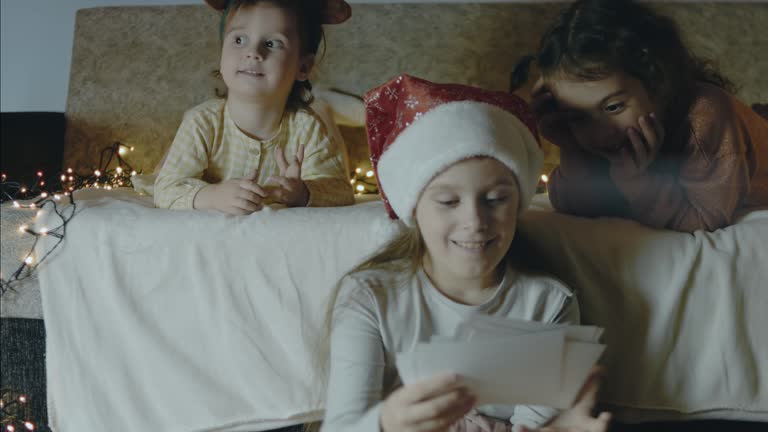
<point x="457" y="165"/>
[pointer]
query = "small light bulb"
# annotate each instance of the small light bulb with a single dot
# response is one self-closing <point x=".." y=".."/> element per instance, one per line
<point x="16" y="204"/>
<point x="358" y="170"/>
<point x="108" y="187"/>
<point x="23" y="228"/>
<point x="63" y="177"/>
<point x="29" y="425"/>
<point x="33" y="205"/>
<point x="57" y="197"/>
<point x="544" y="178"/>
<point x="22" y="399"/>
<point x="69" y="170"/>
<point x="369" y="174"/>
<point x="352" y="181"/>
<point x="10" y="428"/>
<point x="131" y="148"/>
<point x="119" y="170"/>
<point x="23" y="190"/>
<point x="44" y="231"/>
<point x="44" y="195"/>
<point x="39" y="173"/>
<point x="71" y="178"/>
<point x="97" y="173"/>
<point x="133" y="173"/>
<point x="360" y="188"/>
<point x="29" y="260"/>
<point x="42" y="182"/>
<point x="121" y="151"/>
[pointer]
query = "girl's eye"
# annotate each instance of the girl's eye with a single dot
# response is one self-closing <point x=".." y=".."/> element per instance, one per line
<point x="273" y="43"/>
<point x="239" y="40"/>
<point x="614" y="108"/>
<point x="496" y="200"/>
<point x="447" y="202"/>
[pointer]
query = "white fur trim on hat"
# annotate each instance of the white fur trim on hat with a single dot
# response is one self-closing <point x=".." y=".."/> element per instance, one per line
<point x="449" y="133"/>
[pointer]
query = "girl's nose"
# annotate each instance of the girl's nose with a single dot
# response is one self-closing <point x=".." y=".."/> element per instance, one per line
<point x="475" y="217"/>
<point x="256" y="53"/>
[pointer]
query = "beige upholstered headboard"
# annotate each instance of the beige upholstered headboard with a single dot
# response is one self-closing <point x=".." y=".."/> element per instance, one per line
<point x="135" y="70"/>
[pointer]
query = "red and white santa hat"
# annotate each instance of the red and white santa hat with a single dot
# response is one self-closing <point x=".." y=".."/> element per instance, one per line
<point x="417" y="129"/>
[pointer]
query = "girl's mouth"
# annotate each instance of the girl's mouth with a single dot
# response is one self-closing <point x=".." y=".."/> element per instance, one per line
<point x="474" y="245"/>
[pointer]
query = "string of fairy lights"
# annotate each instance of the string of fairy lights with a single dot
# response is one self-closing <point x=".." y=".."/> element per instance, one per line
<point x="16" y="411"/>
<point x="40" y="196"/>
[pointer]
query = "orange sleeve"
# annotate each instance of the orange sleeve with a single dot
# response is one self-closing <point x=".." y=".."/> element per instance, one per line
<point x="581" y="186"/>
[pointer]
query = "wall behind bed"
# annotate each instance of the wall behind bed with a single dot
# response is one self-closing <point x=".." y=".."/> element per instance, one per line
<point x="135" y="70"/>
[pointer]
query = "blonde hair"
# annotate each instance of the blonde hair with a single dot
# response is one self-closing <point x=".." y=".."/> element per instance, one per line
<point x="402" y="255"/>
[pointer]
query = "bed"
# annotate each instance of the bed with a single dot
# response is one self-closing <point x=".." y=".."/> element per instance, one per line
<point x="148" y="327"/>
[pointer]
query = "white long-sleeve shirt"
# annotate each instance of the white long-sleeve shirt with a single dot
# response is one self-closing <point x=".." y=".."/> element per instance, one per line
<point x="380" y="313"/>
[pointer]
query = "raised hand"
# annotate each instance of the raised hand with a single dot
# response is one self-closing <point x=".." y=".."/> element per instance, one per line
<point x="288" y="187"/>
<point x="429" y="405"/>
<point x="236" y="196"/>
<point x="644" y="143"/>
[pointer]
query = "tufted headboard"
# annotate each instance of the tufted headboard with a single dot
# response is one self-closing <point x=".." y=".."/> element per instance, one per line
<point x="135" y="70"/>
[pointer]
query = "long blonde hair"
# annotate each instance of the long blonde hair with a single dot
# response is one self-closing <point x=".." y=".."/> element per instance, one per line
<point x="403" y="255"/>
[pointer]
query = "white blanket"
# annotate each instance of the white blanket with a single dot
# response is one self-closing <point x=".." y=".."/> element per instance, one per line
<point x="196" y="321"/>
<point x="686" y="315"/>
<point x="193" y="321"/>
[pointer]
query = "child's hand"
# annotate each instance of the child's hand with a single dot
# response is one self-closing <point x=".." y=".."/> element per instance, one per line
<point x="579" y="417"/>
<point x="552" y="123"/>
<point x="289" y="188"/>
<point x="644" y="144"/>
<point x="429" y="405"/>
<point x="235" y="197"/>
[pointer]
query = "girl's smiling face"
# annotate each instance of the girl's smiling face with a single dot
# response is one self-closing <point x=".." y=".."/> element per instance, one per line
<point x="467" y="216"/>
<point x="600" y="112"/>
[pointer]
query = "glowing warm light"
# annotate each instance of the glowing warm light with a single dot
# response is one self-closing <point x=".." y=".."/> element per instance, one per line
<point x="69" y="170"/>
<point x="131" y="148"/>
<point x="119" y="170"/>
<point x="42" y="183"/>
<point x="544" y="178"/>
<point x="44" y="195"/>
<point x="29" y="260"/>
<point x="369" y="174"/>
<point x="121" y="150"/>
<point x="23" y="190"/>
<point x="97" y="173"/>
<point x="23" y="228"/>
<point x="10" y="428"/>
<point x="57" y="197"/>
<point x="39" y="173"/>
<point x="16" y="204"/>
<point x="39" y="213"/>
<point x="33" y="205"/>
<point x="360" y="188"/>
<point x="29" y="425"/>
<point x="352" y="181"/>
<point x="71" y="178"/>
<point x="4" y="176"/>
<point x="44" y="231"/>
<point x="358" y="170"/>
<point x="108" y="187"/>
<point x="63" y="177"/>
<point x="133" y="173"/>
<point x="22" y="399"/>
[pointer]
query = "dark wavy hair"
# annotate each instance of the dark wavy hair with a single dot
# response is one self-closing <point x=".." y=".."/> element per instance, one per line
<point x="309" y="22"/>
<point x="592" y="39"/>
